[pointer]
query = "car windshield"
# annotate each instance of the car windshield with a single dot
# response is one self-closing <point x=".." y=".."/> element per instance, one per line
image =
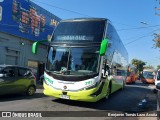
<point x="73" y="61"/>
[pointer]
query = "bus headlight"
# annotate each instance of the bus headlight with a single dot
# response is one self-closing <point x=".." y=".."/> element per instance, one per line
<point x="91" y="86"/>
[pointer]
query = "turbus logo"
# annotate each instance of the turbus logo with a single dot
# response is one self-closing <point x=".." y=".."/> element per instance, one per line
<point x="48" y="80"/>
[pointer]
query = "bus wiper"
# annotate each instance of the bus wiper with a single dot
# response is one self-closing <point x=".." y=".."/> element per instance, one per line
<point x="67" y="72"/>
<point x="64" y="71"/>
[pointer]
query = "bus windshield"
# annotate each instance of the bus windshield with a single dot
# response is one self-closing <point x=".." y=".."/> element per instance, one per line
<point x="79" y="31"/>
<point x="147" y="74"/>
<point x="73" y="61"/>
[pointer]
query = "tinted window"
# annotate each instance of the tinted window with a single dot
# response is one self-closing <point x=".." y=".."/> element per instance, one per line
<point x="24" y="72"/>
<point x="79" y="30"/>
<point x="10" y="72"/>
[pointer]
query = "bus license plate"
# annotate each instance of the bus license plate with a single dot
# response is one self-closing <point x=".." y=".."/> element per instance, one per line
<point x="64" y="96"/>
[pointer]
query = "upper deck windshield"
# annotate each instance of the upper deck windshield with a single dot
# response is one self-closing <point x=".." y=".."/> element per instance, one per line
<point x="79" y="31"/>
<point x="73" y="61"/>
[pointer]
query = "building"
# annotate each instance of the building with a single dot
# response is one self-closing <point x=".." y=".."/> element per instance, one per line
<point x="21" y="23"/>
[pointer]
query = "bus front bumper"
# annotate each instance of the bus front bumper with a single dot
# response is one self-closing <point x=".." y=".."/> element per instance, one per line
<point x="83" y="95"/>
<point x="150" y="81"/>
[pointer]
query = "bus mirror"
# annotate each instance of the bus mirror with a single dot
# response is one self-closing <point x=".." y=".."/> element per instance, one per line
<point x="35" y="46"/>
<point x="103" y="47"/>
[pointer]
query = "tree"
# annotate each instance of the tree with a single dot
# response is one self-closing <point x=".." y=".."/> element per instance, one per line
<point x="148" y="67"/>
<point x="157" y="44"/>
<point x="158" y="67"/>
<point x="138" y="64"/>
<point x="157" y="40"/>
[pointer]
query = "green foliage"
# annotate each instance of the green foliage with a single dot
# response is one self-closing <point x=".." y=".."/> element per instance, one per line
<point x="148" y="67"/>
<point x="158" y="67"/>
<point x="157" y="40"/>
<point x="139" y="65"/>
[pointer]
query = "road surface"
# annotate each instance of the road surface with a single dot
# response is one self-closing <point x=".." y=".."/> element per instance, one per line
<point x="124" y="101"/>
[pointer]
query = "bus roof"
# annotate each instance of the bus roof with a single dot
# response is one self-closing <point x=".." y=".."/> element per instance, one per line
<point x="84" y="19"/>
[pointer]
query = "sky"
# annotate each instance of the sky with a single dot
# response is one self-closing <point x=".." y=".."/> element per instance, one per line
<point x="134" y="20"/>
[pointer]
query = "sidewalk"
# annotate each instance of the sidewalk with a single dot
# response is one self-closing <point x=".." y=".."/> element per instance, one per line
<point x="39" y="85"/>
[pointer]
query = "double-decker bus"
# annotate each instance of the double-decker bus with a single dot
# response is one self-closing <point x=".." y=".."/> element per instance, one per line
<point x="76" y="57"/>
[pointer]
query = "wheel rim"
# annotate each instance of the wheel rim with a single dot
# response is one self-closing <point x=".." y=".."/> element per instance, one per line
<point x="31" y="90"/>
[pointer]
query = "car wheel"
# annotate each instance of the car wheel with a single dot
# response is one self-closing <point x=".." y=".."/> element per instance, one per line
<point x="31" y="90"/>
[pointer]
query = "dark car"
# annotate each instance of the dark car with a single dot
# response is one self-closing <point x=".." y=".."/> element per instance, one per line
<point x="15" y="79"/>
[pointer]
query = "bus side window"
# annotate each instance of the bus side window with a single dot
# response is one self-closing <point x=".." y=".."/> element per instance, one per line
<point x="119" y="72"/>
<point x="114" y="71"/>
<point x="106" y="68"/>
